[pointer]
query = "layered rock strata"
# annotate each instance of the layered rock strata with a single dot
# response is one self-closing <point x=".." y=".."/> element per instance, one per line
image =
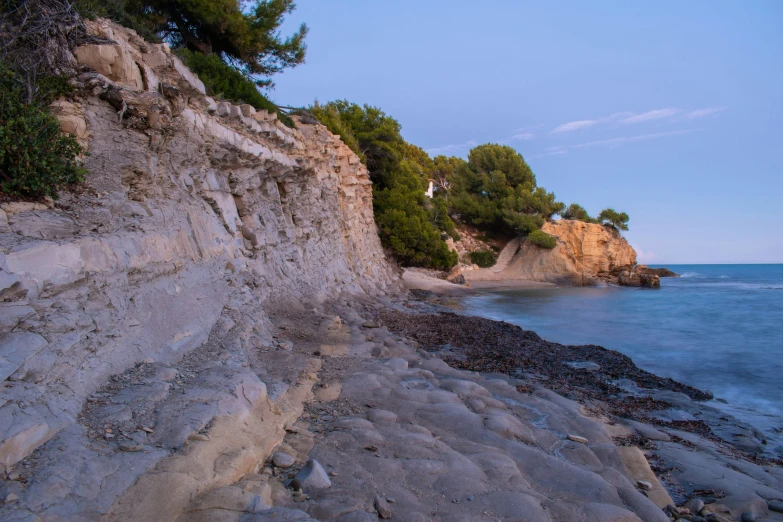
<point x="188" y="205"/>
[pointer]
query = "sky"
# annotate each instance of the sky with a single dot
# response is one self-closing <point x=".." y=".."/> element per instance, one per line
<point x="670" y="111"/>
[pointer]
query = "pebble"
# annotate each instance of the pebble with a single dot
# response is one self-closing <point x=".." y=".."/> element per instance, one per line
<point x="775" y="505"/>
<point x="370" y="324"/>
<point x="747" y="516"/>
<point x="382" y="507"/>
<point x="130" y="447"/>
<point x="283" y="460"/>
<point x="695" y="505"/>
<point x="644" y="484"/>
<point x="12" y="497"/>
<point x="198" y="436"/>
<point x="577" y="438"/>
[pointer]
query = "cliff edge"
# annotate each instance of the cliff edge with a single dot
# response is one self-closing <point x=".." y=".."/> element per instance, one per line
<point x="189" y="205"/>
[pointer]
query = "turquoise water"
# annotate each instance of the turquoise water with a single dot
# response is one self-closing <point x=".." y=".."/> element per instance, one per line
<point x="718" y="327"/>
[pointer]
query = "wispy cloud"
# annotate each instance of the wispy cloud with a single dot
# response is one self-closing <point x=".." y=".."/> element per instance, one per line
<point x="451" y="148"/>
<point x="616" y="142"/>
<point x="657" y="114"/>
<point x="645" y="256"/>
<point x="584" y="124"/>
<point x="524" y="136"/>
<point x="559" y="150"/>
<point x="701" y="113"/>
<point x="630" y="118"/>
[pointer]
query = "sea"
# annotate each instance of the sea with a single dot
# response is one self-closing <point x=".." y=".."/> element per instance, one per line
<point x="717" y="327"/>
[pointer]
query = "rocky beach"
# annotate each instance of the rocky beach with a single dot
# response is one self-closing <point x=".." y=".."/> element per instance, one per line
<point x="210" y="330"/>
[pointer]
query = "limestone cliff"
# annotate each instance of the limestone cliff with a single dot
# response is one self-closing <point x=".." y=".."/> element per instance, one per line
<point x="190" y="205"/>
<point x="585" y="254"/>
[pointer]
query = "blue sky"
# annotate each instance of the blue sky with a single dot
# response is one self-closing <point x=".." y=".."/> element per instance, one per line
<point x="670" y="111"/>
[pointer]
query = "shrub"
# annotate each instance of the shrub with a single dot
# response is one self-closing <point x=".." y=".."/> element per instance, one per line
<point x="36" y="159"/>
<point x="224" y="81"/>
<point x="483" y="258"/>
<point x="578" y="213"/>
<point x="612" y="218"/>
<point x="542" y="239"/>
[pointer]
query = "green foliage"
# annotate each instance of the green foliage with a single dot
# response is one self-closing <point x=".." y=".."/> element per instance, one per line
<point x="613" y="218"/>
<point x="542" y="239"/>
<point x="36" y="159"/>
<point x="244" y="34"/>
<point x="483" y="258"/>
<point x="224" y="81"/>
<point x="408" y="222"/>
<point x="578" y="213"/>
<point x="124" y="12"/>
<point x="496" y="191"/>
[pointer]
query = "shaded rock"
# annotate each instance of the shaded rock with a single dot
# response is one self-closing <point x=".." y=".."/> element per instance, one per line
<point x="311" y="476"/>
<point x="370" y="324"/>
<point x="283" y="460"/>
<point x="382" y="507"/>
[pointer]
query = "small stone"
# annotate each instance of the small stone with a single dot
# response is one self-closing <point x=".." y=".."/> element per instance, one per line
<point x="577" y="438"/>
<point x="283" y="460"/>
<point x="382" y="507"/>
<point x="695" y="505"/>
<point x="130" y="447"/>
<point x="390" y="500"/>
<point x="470" y="498"/>
<point x="312" y="475"/>
<point x="747" y="516"/>
<point x="12" y="497"/>
<point x="775" y="505"/>
<point x="370" y="324"/>
<point x="644" y="484"/>
<point x="198" y="436"/>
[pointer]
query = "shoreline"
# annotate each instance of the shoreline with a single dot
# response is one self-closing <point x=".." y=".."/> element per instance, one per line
<point x="667" y="417"/>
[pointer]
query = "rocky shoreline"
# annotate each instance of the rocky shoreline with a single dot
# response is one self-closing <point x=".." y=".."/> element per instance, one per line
<point x="665" y="416"/>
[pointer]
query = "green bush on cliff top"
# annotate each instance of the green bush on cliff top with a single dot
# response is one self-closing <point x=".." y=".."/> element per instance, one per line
<point x="542" y="239"/>
<point x="36" y="159"/>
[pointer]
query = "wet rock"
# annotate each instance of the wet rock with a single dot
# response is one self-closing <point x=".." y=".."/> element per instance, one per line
<point x="382" y="507"/>
<point x="311" y="476"/>
<point x="283" y="460"/>
<point x="747" y="516"/>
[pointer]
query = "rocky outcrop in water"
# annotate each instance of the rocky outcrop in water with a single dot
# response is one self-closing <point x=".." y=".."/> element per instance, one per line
<point x="585" y="254"/>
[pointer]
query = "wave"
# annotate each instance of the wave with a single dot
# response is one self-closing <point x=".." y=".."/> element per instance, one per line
<point x="691" y="274"/>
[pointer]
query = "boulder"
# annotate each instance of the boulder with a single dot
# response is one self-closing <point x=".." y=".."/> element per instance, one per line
<point x="639" y="279"/>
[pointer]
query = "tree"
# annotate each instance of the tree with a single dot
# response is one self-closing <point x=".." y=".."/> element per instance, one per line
<point x="409" y="223"/>
<point x="497" y="192"/>
<point x="492" y="158"/>
<point x="613" y="218"/>
<point x="577" y="212"/>
<point x="244" y="34"/>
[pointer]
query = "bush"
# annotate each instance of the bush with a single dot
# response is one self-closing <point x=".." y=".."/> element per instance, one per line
<point x="224" y="81"/>
<point x="36" y="159"/>
<point x="483" y="258"/>
<point x="409" y="224"/>
<point x="542" y="239"/>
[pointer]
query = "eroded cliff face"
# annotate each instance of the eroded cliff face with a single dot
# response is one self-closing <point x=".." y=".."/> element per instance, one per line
<point x="190" y="206"/>
<point x="585" y="254"/>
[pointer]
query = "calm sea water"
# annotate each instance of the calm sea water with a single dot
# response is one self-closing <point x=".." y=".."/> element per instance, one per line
<point x="718" y="327"/>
